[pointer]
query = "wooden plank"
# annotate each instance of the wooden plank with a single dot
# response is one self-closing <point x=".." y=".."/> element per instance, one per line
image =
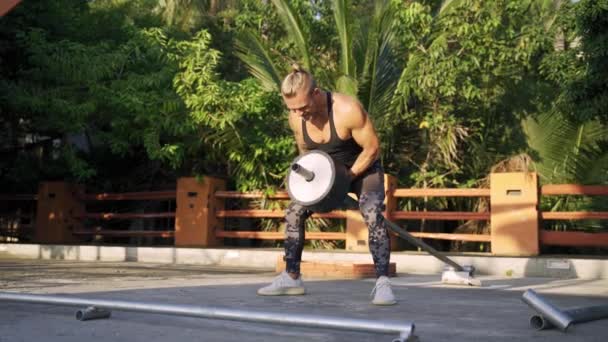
<point x="277" y="235"/>
<point x="440" y="215"/>
<point x="474" y="192"/>
<point x="259" y="213"/>
<point x="574" y="215"/>
<point x="129" y="196"/>
<point x="574" y="189"/>
<point x="127" y="233"/>
<point x="453" y="237"/>
<point x="7" y="5"/>
<point x="573" y="239"/>
<point x="337" y="269"/>
<point x="342" y="236"/>
<point x="248" y="195"/>
<point x="18" y="197"/>
<point x="124" y="216"/>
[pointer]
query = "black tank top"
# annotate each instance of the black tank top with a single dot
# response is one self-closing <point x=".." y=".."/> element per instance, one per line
<point x="344" y="151"/>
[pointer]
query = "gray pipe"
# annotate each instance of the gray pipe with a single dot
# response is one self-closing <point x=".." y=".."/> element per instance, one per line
<point x="555" y="316"/>
<point x="404" y="329"/>
<point x="299" y="169"/>
<point x="92" y="313"/>
<point x="351" y="203"/>
<point x="411" y="239"/>
<point x="579" y="315"/>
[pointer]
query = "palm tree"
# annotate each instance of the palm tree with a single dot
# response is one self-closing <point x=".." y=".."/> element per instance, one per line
<point x="366" y="69"/>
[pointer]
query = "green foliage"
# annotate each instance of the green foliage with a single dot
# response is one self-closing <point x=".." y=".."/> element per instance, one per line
<point x="146" y="90"/>
<point x="122" y="93"/>
<point x="582" y="63"/>
<point x="464" y="59"/>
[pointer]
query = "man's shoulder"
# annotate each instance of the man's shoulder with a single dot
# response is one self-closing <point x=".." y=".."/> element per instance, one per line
<point x="344" y="102"/>
<point x="347" y="108"/>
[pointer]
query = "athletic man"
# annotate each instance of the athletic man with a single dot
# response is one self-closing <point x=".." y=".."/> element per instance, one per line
<point x="336" y="124"/>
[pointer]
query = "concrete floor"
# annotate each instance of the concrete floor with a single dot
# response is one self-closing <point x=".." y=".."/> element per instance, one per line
<point x="494" y="312"/>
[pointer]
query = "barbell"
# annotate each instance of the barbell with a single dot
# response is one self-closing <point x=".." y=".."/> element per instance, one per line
<point x="319" y="183"/>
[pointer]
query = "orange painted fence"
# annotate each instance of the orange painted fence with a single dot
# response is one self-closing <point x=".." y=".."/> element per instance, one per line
<point x="200" y="214"/>
<point x="574" y="239"/>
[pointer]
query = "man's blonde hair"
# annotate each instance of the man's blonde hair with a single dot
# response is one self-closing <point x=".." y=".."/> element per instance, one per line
<point x="297" y="80"/>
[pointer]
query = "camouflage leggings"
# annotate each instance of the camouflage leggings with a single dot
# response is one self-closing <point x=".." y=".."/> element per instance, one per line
<point x="369" y="188"/>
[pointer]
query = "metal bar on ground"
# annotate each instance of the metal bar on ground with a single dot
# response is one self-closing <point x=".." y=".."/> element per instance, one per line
<point x="409" y="238"/>
<point x="549" y="311"/>
<point x="579" y="315"/>
<point x="405" y="329"/>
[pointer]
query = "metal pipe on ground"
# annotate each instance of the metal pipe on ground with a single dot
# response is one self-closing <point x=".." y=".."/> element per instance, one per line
<point x="92" y="313"/>
<point x="455" y="274"/>
<point x="325" y="189"/>
<point x="405" y="329"/>
<point x="548" y="311"/>
<point x="578" y="315"/>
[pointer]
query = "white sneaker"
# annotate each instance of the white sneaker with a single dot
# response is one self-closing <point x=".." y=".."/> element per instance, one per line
<point x="283" y="285"/>
<point x="382" y="292"/>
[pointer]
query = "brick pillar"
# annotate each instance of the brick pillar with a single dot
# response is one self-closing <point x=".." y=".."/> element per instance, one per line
<point x="57" y="209"/>
<point x="195" y="220"/>
<point x="514" y="213"/>
<point x="356" y="229"/>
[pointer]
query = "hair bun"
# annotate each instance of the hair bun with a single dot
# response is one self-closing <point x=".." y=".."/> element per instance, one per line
<point x="295" y="67"/>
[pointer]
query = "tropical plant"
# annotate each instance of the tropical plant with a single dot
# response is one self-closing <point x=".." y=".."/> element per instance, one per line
<point x="366" y="66"/>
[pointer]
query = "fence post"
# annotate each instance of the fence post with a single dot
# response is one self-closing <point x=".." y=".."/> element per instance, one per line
<point x="356" y="228"/>
<point x="514" y="213"/>
<point x="196" y="205"/>
<point x="58" y="209"/>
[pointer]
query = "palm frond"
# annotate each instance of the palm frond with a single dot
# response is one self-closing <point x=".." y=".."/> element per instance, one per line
<point x="382" y="73"/>
<point x="296" y="28"/>
<point x="253" y="53"/>
<point x="347" y="85"/>
<point x="342" y="17"/>
<point x="566" y="150"/>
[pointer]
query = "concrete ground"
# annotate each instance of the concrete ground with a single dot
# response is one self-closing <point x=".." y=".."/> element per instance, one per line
<point x="493" y="312"/>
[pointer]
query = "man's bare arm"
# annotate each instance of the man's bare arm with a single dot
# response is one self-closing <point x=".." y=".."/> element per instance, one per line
<point x="293" y="123"/>
<point x="362" y="130"/>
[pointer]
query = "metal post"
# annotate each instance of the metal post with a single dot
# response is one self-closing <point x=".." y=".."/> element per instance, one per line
<point x="404" y="329"/>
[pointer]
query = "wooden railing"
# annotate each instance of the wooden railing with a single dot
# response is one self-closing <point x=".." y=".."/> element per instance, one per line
<point x="108" y="216"/>
<point x="340" y="214"/>
<point x="573" y="239"/>
<point x="200" y="213"/>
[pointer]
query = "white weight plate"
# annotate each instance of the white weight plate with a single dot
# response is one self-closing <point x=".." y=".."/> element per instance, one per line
<point x="311" y="192"/>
